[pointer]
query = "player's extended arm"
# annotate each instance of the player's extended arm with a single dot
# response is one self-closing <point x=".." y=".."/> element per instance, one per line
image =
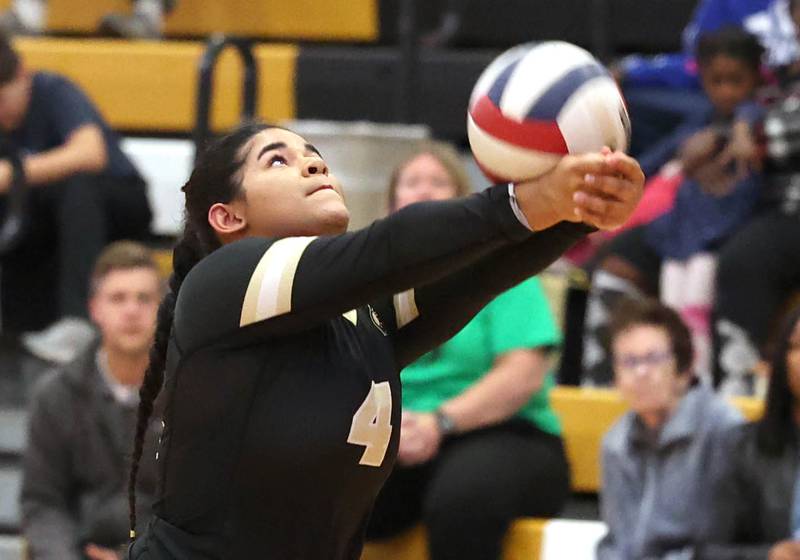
<point x="444" y="307"/>
<point x="259" y="287"/>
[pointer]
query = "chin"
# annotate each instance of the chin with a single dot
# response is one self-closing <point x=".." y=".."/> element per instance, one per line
<point x="334" y="219"/>
<point x="134" y="347"/>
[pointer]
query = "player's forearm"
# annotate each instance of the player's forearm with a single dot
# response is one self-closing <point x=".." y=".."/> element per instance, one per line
<point x="84" y="152"/>
<point x="447" y="305"/>
<point x="415" y="246"/>
<point x="501" y="392"/>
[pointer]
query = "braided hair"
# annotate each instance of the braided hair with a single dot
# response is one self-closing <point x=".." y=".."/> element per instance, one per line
<point x="215" y="178"/>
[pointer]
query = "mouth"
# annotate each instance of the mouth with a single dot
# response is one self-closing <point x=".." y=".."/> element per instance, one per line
<point x="322" y="188"/>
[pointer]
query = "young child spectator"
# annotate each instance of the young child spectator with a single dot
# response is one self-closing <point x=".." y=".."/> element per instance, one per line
<point x="719" y="162"/>
<point x="655" y="459"/>
<point x="756" y="498"/>
<point x="479" y="443"/>
<point x="75" y="468"/>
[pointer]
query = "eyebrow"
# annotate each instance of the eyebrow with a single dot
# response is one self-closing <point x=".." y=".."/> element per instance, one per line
<point x="280" y="145"/>
<point x="270" y="147"/>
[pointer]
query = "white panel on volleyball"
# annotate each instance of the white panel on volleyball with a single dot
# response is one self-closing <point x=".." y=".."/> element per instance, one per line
<point x="507" y="160"/>
<point x="591" y="118"/>
<point x="547" y="63"/>
<point x="492" y="71"/>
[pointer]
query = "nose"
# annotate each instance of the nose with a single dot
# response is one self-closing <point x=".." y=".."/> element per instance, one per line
<point x="314" y="166"/>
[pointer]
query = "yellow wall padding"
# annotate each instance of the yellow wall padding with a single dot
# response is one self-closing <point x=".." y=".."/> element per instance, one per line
<point x="151" y="86"/>
<point x="311" y="20"/>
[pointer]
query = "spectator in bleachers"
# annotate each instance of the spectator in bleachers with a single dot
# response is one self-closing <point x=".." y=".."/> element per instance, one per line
<point x="74" y="490"/>
<point x="662" y="91"/>
<point x="759" y="267"/>
<point x="479" y="443"/>
<point x="758" y="272"/>
<point x="29" y="17"/>
<point x="673" y="256"/>
<point x="756" y="500"/>
<point x="656" y="460"/>
<point x="82" y="192"/>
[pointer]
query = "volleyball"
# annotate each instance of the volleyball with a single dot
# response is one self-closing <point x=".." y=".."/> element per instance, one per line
<point x="538" y="102"/>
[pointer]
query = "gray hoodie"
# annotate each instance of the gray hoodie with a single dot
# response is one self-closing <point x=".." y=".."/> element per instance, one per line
<point x="656" y="486"/>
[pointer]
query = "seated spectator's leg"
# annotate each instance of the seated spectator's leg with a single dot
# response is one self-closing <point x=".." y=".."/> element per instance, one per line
<point x="28" y="299"/>
<point x="656" y="112"/>
<point x="24" y="17"/>
<point x="129" y="213"/>
<point x="146" y="21"/>
<point x="483" y="480"/>
<point x="758" y="269"/>
<point x="81" y="225"/>
<point x="399" y="503"/>
<point x="628" y="268"/>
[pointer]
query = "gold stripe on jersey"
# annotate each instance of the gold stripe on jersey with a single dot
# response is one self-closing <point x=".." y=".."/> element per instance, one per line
<point x="405" y="308"/>
<point x="269" y="292"/>
<point x="351" y="316"/>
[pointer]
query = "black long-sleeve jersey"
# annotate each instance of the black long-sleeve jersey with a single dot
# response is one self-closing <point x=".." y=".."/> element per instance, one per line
<point x="282" y="389"/>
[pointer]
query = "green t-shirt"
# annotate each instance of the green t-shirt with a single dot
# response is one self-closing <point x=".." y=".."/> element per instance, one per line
<point x="518" y="318"/>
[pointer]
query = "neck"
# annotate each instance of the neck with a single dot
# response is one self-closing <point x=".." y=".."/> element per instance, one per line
<point x="654" y="420"/>
<point x="127" y="369"/>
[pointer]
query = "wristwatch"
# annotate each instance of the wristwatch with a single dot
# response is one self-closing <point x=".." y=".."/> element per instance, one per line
<point x="446" y="424"/>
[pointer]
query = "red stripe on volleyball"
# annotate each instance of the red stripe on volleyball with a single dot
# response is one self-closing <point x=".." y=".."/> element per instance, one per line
<point x="544" y="136"/>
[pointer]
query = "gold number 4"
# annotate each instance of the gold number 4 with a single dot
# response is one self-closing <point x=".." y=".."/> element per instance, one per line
<point x="372" y="426"/>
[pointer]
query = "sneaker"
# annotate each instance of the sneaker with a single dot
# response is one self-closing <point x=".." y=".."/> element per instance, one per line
<point x="11" y="24"/>
<point x="129" y="26"/>
<point x="61" y="342"/>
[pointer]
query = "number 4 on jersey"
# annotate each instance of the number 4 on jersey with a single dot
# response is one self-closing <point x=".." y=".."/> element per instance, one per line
<point x="372" y="426"/>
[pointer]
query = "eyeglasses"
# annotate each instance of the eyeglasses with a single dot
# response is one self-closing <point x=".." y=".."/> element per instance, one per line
<point x="632" y="362"/>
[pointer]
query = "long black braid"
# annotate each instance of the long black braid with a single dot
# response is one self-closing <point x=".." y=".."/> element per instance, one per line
<point x="215" y="178"/>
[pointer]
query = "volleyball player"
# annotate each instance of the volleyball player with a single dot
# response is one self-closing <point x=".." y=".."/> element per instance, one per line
<point x="280" y="343"/>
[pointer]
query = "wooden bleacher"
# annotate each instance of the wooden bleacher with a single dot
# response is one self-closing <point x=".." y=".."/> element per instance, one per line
<point x="586" y="415"/>
<point x="523" y="542"/>
<point x="308" y="20"/>
<point x="151" y="86"/>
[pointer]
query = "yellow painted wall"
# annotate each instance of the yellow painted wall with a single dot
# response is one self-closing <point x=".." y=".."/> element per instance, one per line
<point x="151" y="86"/>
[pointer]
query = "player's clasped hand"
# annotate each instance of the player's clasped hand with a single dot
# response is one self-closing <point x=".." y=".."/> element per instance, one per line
<point x="599" y="189"/>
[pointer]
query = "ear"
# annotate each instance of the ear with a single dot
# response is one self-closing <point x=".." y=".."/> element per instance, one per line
<point x="226" y="219"/>
<point x="92" y="306"/>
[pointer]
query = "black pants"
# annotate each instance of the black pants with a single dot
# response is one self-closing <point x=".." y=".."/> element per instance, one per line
<point x="759" y="268"/>
<point x="66" y="224"/>
<point x="469" y="494"/>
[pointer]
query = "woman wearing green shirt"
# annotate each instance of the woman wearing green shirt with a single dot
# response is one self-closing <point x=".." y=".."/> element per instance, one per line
<point x="479" y="443"/>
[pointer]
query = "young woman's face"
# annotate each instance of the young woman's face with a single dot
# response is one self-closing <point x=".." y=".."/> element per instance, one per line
<point x="423" y="178"/>
<point x="727" y="82"/>
<point x="793" y="362"/>
<point x="287" y="188"/>
<point x="645" y="370"/>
